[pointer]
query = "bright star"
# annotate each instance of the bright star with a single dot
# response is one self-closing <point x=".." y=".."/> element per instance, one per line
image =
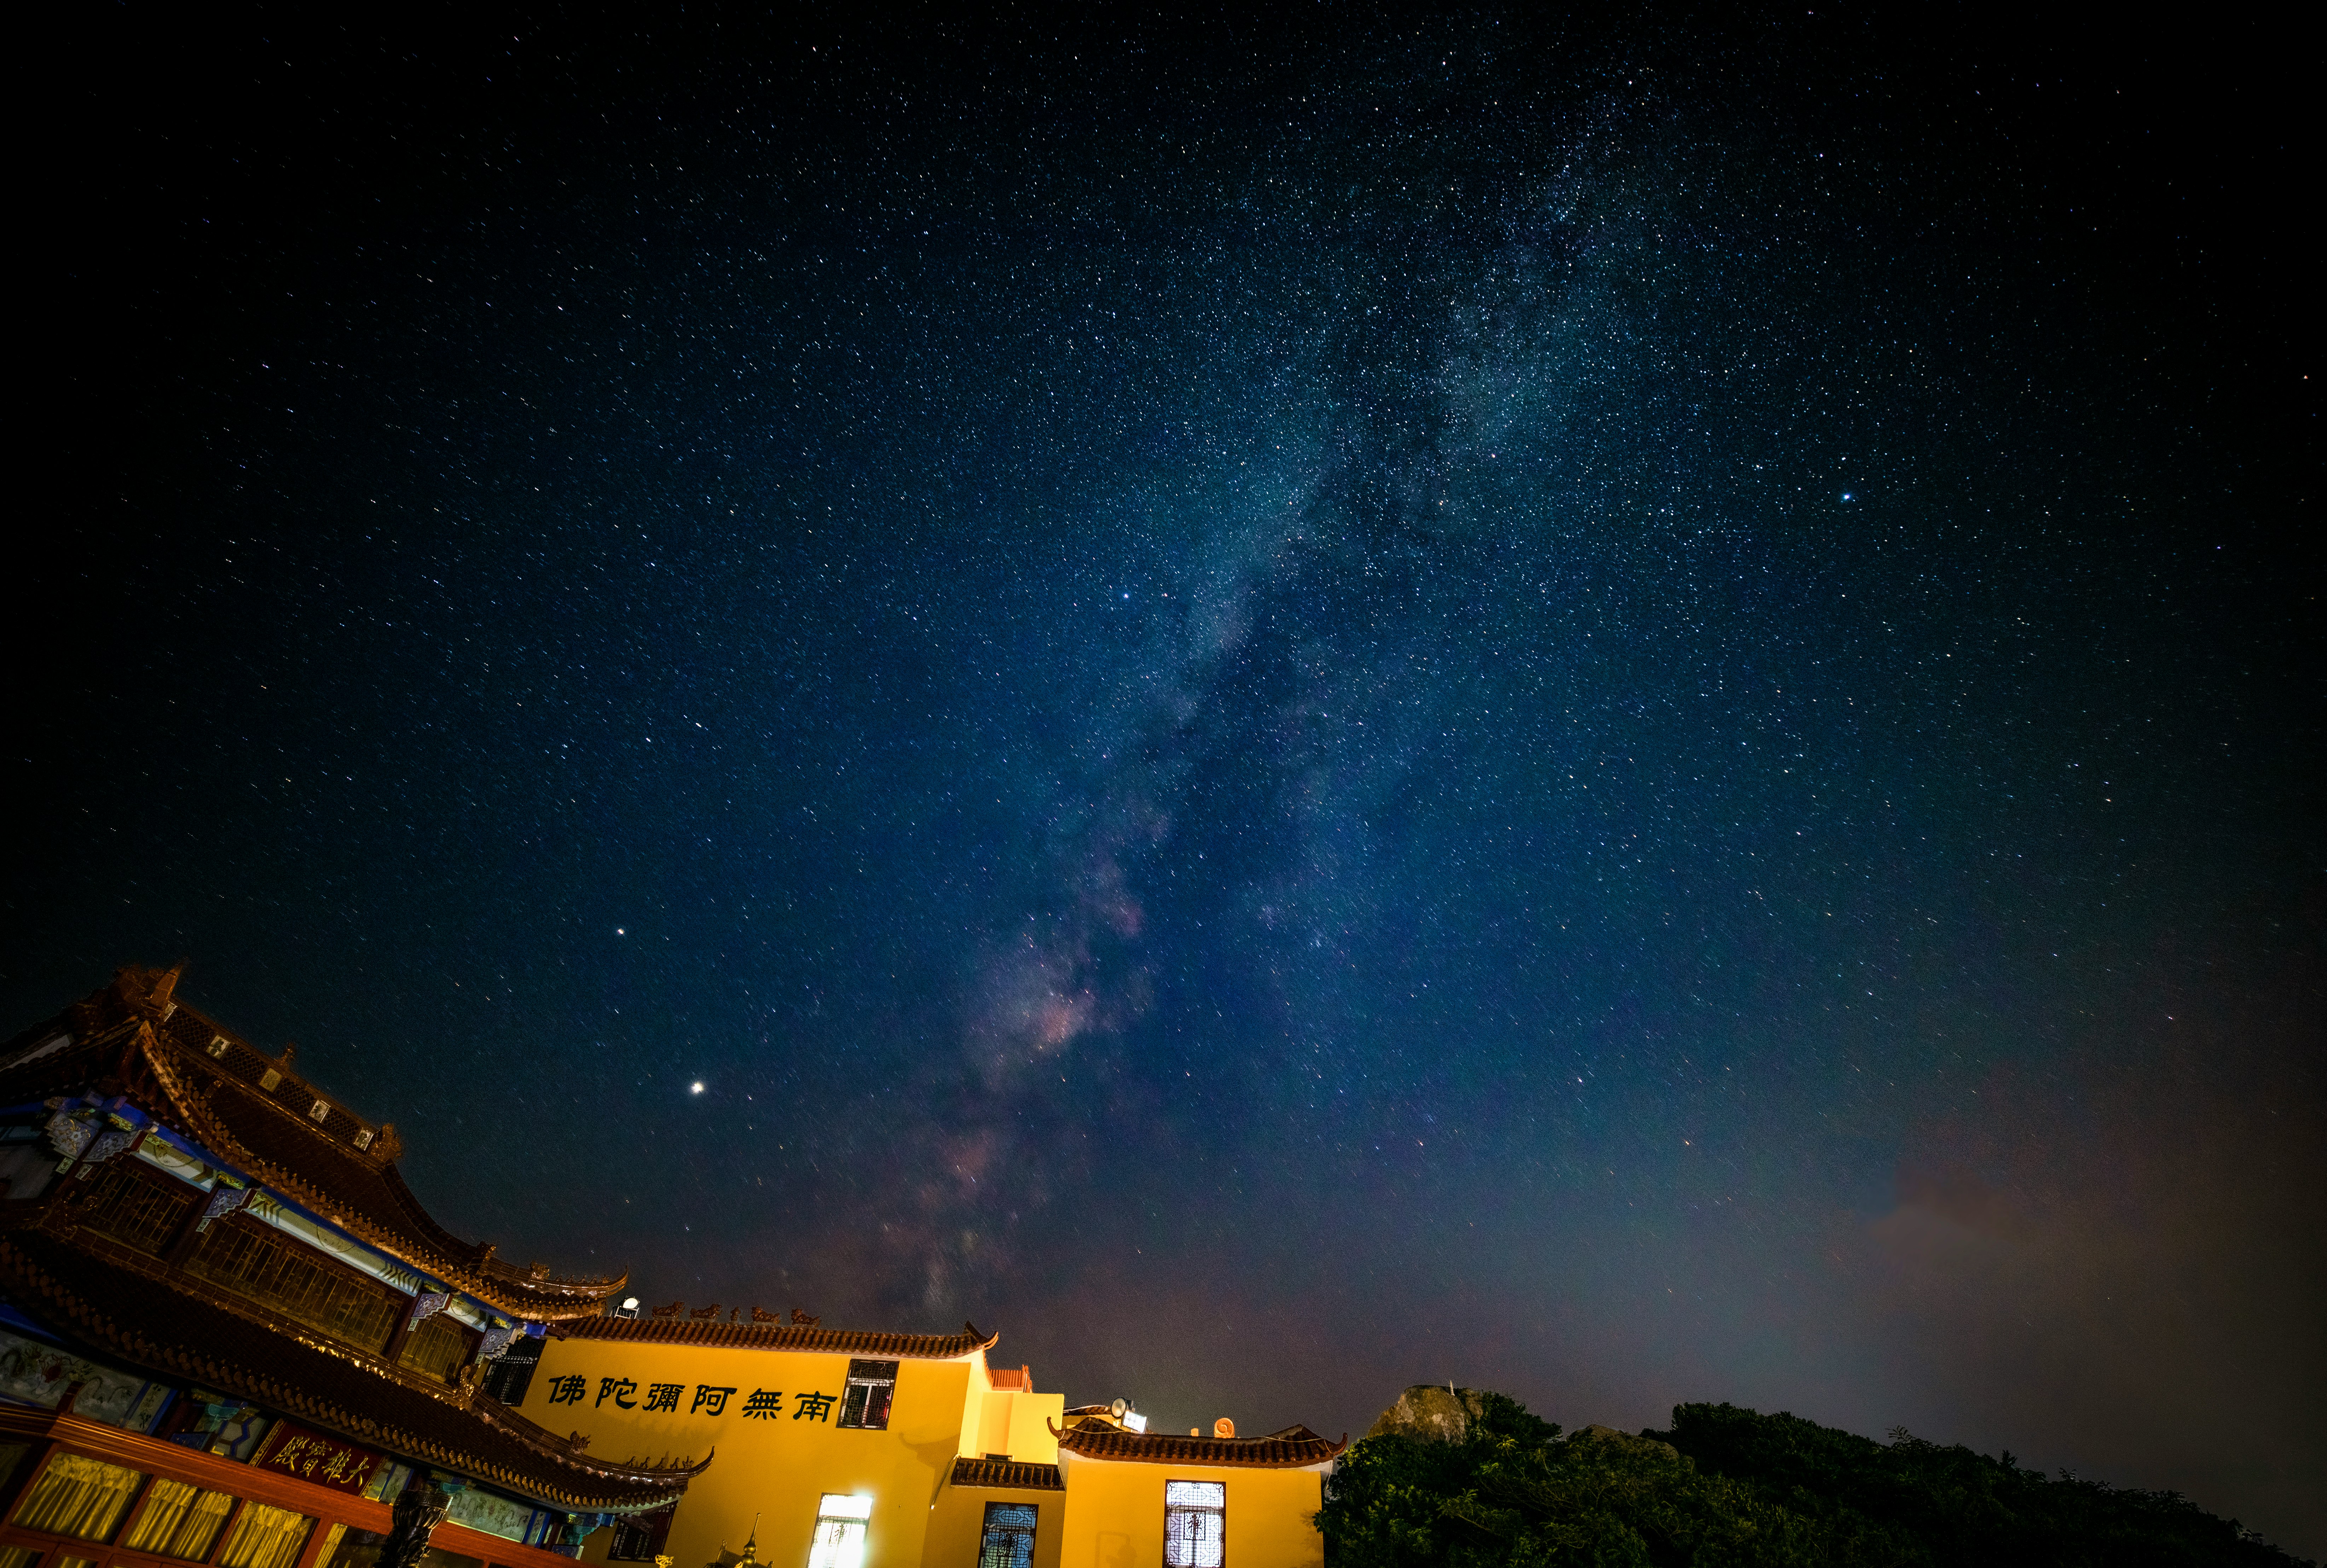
<point x="696" y="1090"/>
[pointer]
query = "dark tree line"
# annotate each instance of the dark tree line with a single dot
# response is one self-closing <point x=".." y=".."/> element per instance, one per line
<point x="1727" y="1486"/>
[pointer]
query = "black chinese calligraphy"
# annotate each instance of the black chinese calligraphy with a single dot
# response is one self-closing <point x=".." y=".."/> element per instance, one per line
<point x="709" y="1399"/>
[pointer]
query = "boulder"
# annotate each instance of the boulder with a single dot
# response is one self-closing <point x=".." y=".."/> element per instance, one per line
<point x="1595" y="1432"/>
<point x="1430" y="1413"/>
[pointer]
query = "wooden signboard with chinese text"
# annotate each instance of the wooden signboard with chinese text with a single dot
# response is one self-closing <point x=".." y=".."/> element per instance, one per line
<point x="317" y="1457"/>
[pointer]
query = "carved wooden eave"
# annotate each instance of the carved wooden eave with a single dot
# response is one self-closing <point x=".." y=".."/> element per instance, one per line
<point x="221" y="1343"/>
<point x="257" y="1115"/>
<point x="473" y="1270"/>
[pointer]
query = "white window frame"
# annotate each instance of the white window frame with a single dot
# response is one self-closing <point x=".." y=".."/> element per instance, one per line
<point x="841" y="1523"/>
<point x="1200" y="1501"/>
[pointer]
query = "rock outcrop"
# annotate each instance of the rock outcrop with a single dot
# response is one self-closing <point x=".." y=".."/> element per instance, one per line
<point x="1598" y="1434"/>
<point x="1428" y="1412"/>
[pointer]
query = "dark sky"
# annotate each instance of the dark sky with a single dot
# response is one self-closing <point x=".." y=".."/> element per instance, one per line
<point x="1615" y="712"/>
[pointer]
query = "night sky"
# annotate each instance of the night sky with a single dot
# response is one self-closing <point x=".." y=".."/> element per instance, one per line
<point x="1628" y="712"/>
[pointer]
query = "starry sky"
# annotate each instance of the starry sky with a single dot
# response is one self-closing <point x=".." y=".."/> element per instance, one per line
<point x="1617" y="711"/>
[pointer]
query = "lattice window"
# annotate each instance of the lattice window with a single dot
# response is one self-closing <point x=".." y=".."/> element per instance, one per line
<point x="511" y="1376"/>
<point x="278" y="1272"/>
<point x="438" y="1347"/>
<point x="1196" y="1524"/>
<point x="872" y="1384"/>
<point x="134" y="1210"/>
<point x="1008" y="1538"/>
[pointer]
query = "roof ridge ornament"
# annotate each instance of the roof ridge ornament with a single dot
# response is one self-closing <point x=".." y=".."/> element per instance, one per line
<point x="69" y="1134"/>
<point x="210" y="1100"/>
<point x="225" y="1198"/>
<point x="159" y="999"/>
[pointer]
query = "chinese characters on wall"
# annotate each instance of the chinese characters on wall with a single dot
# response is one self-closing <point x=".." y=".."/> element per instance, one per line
<point x="708" y="1399"/>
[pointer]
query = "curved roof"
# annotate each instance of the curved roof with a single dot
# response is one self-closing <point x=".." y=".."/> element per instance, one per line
<point x="214" y="1088"/>
<point x="1290" y="1448"/>
<point x="213" y="1341"/>
<point x="781" y="1336"/>
<point x="1007" y="1474"/>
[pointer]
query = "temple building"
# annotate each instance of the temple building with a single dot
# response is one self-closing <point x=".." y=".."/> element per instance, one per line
<point x="837" y="1446"/>
<point x="229" y="1336"/>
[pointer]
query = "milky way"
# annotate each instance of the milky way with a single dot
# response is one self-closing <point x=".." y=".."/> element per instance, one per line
<point x="1615" y="716"/>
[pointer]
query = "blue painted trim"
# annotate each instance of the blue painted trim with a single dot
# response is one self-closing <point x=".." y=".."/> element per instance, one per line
<point x="120" y="1106"/>
<point x="10" y="1318"/>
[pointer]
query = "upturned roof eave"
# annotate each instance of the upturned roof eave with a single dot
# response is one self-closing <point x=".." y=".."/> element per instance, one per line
<point x="1113" y="1445"/>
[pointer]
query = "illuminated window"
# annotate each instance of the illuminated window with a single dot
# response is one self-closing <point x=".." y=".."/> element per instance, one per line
<point x="178" y="1521"/>
<point x="1196" y="1524"/>
<point x="1008" y="1541"/>
<point x="77" y="1496"/>
<point x="839" y="1539"/>
<point x="265" y="1537"/>
<point x="871" y="1385"/>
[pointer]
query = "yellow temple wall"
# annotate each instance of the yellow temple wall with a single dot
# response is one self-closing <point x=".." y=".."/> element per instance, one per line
<point x="959" y="1519"/>
<point x="1017" y="1424"/>
<point x="774" y="1469"/>
<point x="1115" y="1514"/>
<point x="1110" y="1515"/>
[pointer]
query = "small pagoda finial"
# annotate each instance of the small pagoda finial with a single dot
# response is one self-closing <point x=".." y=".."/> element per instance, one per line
<point x="290" y="1054"/>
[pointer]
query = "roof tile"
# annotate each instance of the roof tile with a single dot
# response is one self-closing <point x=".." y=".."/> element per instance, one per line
<point x="122" y="1311"/>
<point x="1008" y="1473"/>
<point x="779" y="1336"/>
<point x="1290" y="1448"/>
